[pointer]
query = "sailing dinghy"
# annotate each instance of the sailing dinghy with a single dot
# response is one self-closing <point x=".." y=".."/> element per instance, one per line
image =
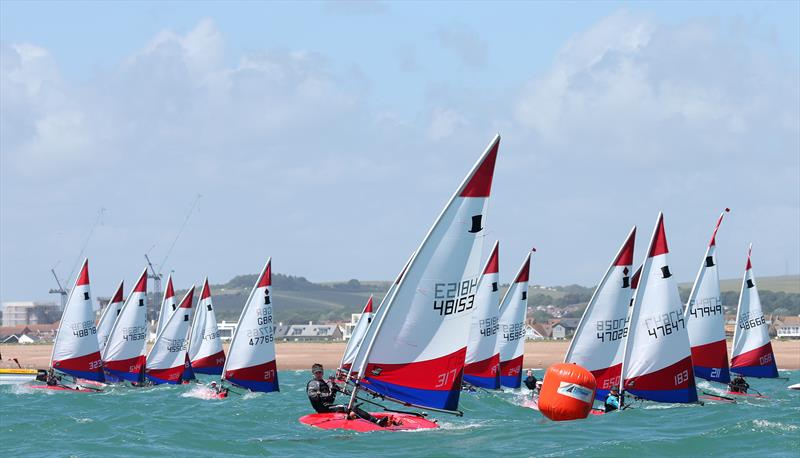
<point x="76" y="352"/>
<point x="416" y="355"/>
<point x="598" y="341"/>
<point x="109" y="315"/>
<point x="251" y="355"/>
<point x="357" y="336"/>
<point x="165" y="362"/>
<point x="511" y="339"/>
<point x="205" y="346"/>
<point x="657" y="363"/>
<point x="168" y="305"/>
<point x="752" y="354"/>
<point x="482" y="363"/>
<point x="705" y="319"/>
<point x="124" y="354"/>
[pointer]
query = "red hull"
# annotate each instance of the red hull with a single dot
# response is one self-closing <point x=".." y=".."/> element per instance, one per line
<point x="338" y="421"/>
<point x="751" y="395"/>
<point x="58" y="388"/>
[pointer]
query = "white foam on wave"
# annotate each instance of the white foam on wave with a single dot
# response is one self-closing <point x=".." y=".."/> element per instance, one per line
<point x="775" y="425"/>
<point x="200" y="392"/>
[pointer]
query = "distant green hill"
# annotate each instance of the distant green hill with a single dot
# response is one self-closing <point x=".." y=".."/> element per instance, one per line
<point x="298" y="300"/>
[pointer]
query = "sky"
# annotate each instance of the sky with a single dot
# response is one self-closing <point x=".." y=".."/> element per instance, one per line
<point x="329" y="135"/>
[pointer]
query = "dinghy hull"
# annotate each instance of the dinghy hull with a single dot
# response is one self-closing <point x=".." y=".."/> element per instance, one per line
<point x="339" y="421"/>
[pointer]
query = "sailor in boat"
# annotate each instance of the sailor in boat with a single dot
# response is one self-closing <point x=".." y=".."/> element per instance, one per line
<point x="323" y="395"/>
<point x="530" y="381"/>
<point x="738" y="385"/>
<point x="52" y="378"/>
<point x="222" y="392"/>
<point x="612" y="400"/>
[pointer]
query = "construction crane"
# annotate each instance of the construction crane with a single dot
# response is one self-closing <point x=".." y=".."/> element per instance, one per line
<point x="156" y="275"/>
<point x="61" y="290"/>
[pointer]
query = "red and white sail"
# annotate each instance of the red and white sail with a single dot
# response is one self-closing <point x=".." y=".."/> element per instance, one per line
<point x="361" y="349"/>
<point x="416" y="355"/>
<point x="658" y="363"/>
<point x="705" y="319"/>
<point x="165" y="362"/>
<point x="168" y="305"/>
<point x="752" y="354"/>
<point x="599" y="342"/>
<point x="251" y="356"/>
<point x="109" y="315"/>
<point x="124" y="353"/>
<point x="75" y="350"/>
<point x="511" y="337"/>
<point x="482" y="363"/>
<point x="357" y="337"/>
<point x="205" y="345"/>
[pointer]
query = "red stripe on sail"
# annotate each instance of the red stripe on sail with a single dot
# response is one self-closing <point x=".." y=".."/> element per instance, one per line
<point x="609" y="377"/>
<point x="368" y="307"/>
<point x="118" y="296"/>
<point x="266" y="372"/>
<point x="673" y="377"/>
<point x="749" y="264"/>
<point x="86" y="363"/>
<point x="713" y="241"/>
<point x="141" y="285"/>
<point x="206" y="290"/>
<point x="714" y="354"/>
<point x="186" y="303"/>
<point x="635" y="278"/>
<point x="83" y="276"/>
<point x="625" y="257"/>
<point x="172" y="374"/>
<point x="131" y="365"/>
<point x="215" y="360"/>
<point x="493" y="265"/>
<point x="480" y="185"/>
<point x="442" y="373"/>
<point x="486" y="368"/>
<point x="170" y="291"/>
<point x="524" y="271"/>
<point x="761" y="356"/>
<point x="266" y="277"/>
<point x="659" y="244"/>
<point x="511" y="368"/>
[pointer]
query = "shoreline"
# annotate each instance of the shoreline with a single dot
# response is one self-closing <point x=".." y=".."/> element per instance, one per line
<point x="301" y="355"/>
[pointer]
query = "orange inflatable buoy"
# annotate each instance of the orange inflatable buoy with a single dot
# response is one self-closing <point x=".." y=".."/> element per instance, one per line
<point x="567" y="392"/>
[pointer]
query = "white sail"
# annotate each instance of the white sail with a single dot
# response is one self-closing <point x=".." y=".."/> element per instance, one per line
<point x="705" y="319"/>
<point x="124" y="353"/>
<point x="356" y="337"/>
<point x="75" y="349"/>
<point x="752" y="353"/>
<point x="598" y="343"/>
<point x="205" y="345"/>
<point x="109" y="315"/>
<point x="416" y="355"/>
<point x="165" y="362"/>
<point x="251" y="356"/>
<point x="657" y="363"/>
<point x="168" y="305"/>
<point x="511" y="337"/>
<point x="482" y="362"/>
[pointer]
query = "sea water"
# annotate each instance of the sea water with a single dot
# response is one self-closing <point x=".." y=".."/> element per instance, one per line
<point x="181" y="421"/>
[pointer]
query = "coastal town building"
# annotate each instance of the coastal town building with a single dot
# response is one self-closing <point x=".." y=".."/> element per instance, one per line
<point x="29" y="312"/>
<point x="564" y="328"/>
<point x="314" y="332"/>
<point x="787" y="327"/>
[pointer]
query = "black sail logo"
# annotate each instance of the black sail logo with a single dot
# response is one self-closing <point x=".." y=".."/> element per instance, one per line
<point x="476" y="224"/>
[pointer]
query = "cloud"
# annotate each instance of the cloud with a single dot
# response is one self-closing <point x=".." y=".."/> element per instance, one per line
<point x="466" y="44"/>
<point x="356" y="7"/>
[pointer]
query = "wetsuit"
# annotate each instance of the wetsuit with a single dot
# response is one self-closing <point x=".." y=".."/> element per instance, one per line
<point x="530" y="382"/>
<point x="612" y="402"/>
<point x="322" y="398"/>
<point x="738" y="385"/>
